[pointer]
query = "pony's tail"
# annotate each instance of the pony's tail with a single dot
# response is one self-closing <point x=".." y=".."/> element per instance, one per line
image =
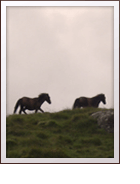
<point x="16" y="106"/>
<point x="75" y="103"/>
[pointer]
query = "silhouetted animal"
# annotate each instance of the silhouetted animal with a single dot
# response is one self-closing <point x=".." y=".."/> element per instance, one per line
<point x="89" y="102"/>
<point x="32" y="103"/>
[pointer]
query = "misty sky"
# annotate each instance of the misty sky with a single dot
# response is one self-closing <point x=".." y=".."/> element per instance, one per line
<point x="66" y="52"/>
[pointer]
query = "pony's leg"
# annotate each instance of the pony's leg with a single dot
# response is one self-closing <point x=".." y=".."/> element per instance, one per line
<point x="24" y="110"/>
<point x="41" y="110"/>
<point x="36" y="110"/>
<point x="20" y="109"/>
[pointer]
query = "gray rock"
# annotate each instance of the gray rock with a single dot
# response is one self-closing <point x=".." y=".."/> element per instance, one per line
<point x="105" y="119"/>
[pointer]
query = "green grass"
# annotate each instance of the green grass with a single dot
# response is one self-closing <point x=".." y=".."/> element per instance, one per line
<point x="65" y="134"/>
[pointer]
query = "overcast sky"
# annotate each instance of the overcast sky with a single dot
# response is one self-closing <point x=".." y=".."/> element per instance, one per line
<point x="66" y="52"/>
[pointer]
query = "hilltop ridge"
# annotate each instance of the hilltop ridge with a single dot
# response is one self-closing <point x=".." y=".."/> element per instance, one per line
<point x="65" y="134"/>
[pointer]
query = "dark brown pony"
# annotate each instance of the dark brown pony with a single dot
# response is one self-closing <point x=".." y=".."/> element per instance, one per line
<point x="32" y="103"/>
<point x="89" y="102"/>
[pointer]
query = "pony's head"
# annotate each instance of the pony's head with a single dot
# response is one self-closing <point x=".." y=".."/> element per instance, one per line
<point x="45" y="97"/>
<point x="102" y="98"/>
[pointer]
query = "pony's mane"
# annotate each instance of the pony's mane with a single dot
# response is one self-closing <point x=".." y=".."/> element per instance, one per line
<point x="99" y="95"/>
<point x="42" y="95"/>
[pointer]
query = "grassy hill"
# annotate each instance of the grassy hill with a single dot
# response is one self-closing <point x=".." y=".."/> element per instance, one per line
<point x="65" y="134"/>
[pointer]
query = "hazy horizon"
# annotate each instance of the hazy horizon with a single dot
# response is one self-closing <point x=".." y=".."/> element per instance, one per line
<point x="66" y="52"/>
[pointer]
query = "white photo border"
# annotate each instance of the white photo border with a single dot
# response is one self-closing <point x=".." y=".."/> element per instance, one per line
<point x="116" y="158"/>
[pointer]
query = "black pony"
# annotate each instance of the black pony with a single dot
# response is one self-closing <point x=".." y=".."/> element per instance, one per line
<point x="32" y="103"/>
<point x="89" y="102"/>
